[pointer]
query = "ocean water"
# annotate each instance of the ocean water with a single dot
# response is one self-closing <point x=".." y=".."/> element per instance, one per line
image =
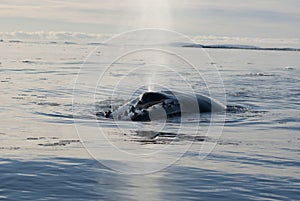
<point x="55" y="147"/>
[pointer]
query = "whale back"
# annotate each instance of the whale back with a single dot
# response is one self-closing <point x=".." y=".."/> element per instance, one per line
<point x="197" y="103"/>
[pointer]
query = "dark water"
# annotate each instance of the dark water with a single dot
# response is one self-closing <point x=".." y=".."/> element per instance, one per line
<point x="85" y="179"/>
<point x="256" y="157"/>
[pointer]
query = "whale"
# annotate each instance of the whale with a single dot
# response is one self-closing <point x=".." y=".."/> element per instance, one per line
<point x="159" y="105"/>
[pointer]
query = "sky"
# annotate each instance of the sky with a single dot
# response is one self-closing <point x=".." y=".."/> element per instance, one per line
<point x="247" y="18"/>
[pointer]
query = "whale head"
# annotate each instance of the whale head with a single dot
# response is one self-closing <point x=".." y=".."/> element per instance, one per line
<point x="149" y="99"/>
<point x="138" y="109"/>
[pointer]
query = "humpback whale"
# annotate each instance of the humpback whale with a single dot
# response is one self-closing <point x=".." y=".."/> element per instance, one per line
<point x="164" y="104"/>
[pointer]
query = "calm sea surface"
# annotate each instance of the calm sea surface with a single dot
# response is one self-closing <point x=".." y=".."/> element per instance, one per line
<point x="53" y="146"/>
